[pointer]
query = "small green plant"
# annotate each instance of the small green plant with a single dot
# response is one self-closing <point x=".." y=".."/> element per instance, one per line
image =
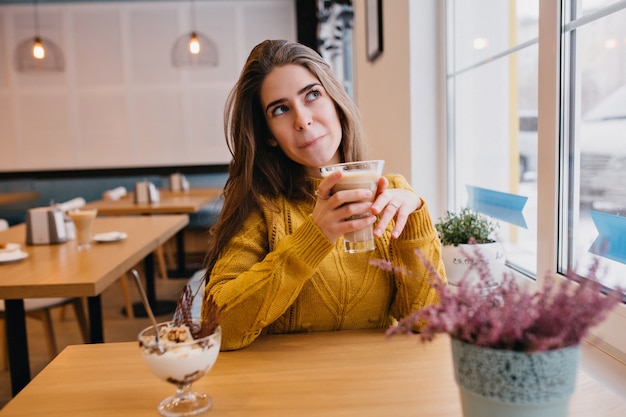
<point x="464" y="226"/>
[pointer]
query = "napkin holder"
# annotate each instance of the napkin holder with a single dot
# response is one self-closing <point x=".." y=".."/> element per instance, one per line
<point x="146" y="193"/>
<point x="45" y="225"/>
<point x="178" y="183"/>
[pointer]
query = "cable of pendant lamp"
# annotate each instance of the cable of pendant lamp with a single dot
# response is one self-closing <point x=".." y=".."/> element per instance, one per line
<point x="38" y="53"/>
<point x="194" y="48"/>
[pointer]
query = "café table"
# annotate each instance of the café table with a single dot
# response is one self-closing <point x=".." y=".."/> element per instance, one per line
<point x="170" y="202"/>
<point x="347" y="373"/>
<point x="17" y="197"/>
<point x="60" y="270"/>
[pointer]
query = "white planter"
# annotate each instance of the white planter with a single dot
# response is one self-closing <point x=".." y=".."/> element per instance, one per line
<point x="466" y="260"/>
<point x="495" y="382"/>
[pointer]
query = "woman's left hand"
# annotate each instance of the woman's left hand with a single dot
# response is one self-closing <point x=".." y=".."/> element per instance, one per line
<point x="393" y="202"/>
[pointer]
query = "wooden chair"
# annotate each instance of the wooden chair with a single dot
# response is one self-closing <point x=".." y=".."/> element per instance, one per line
<point x="39" y="308"/>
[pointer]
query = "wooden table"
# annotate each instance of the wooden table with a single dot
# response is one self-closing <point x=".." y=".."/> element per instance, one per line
<point x="170" y="203"/>
<point x="9" y="198"/>
<point x="62" y="271"/>
<point x="349" y="373"/>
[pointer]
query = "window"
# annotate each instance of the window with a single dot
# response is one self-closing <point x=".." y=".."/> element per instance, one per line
<point x="492" y="61"/>
<point x="536" y="135"/>
<point x="592" y="110"/>
<point x="594" y="45"/>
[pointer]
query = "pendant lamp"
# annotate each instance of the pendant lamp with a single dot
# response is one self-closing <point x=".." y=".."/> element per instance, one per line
<point x="38" y="53"/>
<point x="194" y="48"/>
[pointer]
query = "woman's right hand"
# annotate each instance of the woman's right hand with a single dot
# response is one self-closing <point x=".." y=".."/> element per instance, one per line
<point x="332" y="212"/>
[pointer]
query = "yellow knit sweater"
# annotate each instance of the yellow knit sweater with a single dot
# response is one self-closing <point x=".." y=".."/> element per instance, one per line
<point x="280" y="274"/>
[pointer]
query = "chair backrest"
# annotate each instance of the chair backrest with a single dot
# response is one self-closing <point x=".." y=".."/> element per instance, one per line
<point x="34" y="304"/>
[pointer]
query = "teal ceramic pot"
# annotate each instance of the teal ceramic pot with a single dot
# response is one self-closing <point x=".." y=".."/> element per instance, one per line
<point x="495" y="382"/>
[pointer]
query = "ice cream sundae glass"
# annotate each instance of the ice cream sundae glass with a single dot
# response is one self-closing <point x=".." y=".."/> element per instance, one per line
<point x="181" y="353"/>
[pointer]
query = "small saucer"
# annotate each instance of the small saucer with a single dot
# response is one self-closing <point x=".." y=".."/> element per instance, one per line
<point x="110" y="237"/>
<point x="7" y="257"/>
<point x="9" y="247"/>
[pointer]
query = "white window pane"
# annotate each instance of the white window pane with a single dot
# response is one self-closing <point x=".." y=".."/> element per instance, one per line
<point x="481" y="29"/>
<point x="591" y="6"/>
<point x="600" y="137"/>
<point x="492" y="118"/>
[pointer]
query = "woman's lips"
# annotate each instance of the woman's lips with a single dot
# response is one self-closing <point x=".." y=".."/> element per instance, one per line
<point x="312" y="141"/>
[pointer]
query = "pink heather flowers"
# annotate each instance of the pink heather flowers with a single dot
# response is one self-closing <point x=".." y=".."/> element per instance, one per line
<point x="509" y="317"/>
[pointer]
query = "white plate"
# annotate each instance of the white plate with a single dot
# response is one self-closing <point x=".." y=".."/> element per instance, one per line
<point x="12" y="256"/>
<point x="110" y="237"/>
<point x="9" y="247"/>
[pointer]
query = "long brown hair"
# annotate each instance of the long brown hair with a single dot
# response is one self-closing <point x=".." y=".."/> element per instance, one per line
<point x="258" y="171"/>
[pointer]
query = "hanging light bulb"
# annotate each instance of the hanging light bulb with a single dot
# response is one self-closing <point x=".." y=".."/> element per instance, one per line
<point x="38" y="50"/>
<point x="37" y="53"/>
<point x="194" y="48"/>
<point x="194" y="44"/>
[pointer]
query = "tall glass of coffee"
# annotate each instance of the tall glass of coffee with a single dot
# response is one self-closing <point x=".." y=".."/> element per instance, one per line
<point x="361" y="174"/>
<point x="83" y="224"/>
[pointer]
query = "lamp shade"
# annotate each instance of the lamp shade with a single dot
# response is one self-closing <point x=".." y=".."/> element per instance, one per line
<point x="46" y="57"/>
<point x="194" y="49"/>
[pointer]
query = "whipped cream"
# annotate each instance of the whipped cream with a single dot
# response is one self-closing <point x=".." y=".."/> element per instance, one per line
<point x="184" y="359"/>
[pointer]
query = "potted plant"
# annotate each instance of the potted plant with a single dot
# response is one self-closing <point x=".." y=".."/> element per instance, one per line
<point x="515" y="348"/>
<point x="466" y="236"/>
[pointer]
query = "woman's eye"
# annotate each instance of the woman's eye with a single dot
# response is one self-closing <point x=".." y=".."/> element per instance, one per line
<point x="278" y="110"/>
<point x="312" y="95"/>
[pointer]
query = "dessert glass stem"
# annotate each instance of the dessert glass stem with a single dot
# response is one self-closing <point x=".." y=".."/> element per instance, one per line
<point x="185" y="402"/>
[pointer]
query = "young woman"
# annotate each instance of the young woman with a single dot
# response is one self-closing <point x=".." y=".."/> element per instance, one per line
<point x="275" y="262"/>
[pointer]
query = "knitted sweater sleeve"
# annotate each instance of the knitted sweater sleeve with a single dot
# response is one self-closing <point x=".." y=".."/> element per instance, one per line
<point x="414" y="290"/>
<point x="257" y="285"/>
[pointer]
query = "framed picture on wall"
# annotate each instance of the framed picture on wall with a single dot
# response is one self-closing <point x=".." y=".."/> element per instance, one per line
<point x="374" y="28"/>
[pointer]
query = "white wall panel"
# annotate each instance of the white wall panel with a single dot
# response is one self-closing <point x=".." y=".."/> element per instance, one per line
<point x="4" y="54"/>
<point x="104" y="134"/>
<point x="271" y="21"/>
<point x="159" y="127"/>
<point x="152" y="31"/>
<point x="207" y="126"/>
<point x="8" y="150"/>
<point x="120" y="102"/>
<point x="46" y="138"/>
<point x="97" y="47"/>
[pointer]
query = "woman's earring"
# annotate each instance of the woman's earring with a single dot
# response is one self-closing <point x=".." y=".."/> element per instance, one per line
<point x="272" y="142"/>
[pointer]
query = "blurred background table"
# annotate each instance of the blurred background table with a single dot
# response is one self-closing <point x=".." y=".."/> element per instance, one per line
<point x="10" y="198"/>
<point x="170" y="203"/>
<point x="60" y="270"/>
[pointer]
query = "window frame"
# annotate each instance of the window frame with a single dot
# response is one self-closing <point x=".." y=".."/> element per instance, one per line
<point x="552" y="181"/>
<point x="554" y="194"/>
